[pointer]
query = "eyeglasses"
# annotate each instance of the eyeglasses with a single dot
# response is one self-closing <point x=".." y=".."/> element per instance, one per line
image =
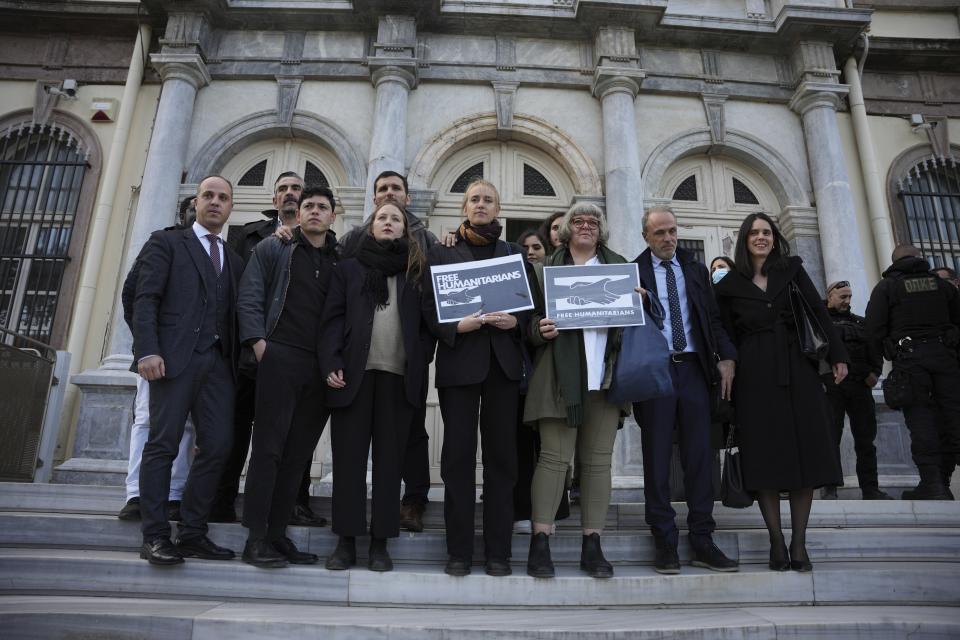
<point x="839" y="285"/>
<point x="589" y="223"/>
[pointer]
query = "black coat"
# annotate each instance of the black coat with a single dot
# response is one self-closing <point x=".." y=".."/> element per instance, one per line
<point x="782" y="415"/>
<point x="175" y="282"/>
<point x="709" y="336"/>
<point x="464" y="358"/>
<point x="347" y="326"/>
<point x="246" y="239"/>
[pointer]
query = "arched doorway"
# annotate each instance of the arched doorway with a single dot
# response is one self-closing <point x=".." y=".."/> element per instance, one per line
<point x="711" y="195"/>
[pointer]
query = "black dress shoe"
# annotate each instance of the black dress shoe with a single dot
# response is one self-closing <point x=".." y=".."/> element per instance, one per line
<point x="667" y="561"/>
<point x="800" y="561"/>
<point x="203" y="547"/>
<point x="288" y="550"/>
<point x="160" y="552"/>
<point x="875" y="494"/>
<point x="828" y="493"/>
<point x="457" y="567"/>
<point x="411" y="516"/>
<point x="709" y="556"/>
<point x="261" y="553"/>
<point x="344" y="556"/>
<point x="779" y="557"/>
<point x="304" y="517"/>
<point x="173" y="511"/>
<point x="497" y="568"/>
<point x="378" y="559"/>
<point x="539" y="562"/>
<point x="222" y="513"/>
<point x="131" y="510"/>
<point x="591" y="558"/>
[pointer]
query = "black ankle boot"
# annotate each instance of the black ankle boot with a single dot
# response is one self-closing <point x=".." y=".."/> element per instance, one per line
<point x="539" y="563"/>
<point x="344" y="556"/>
<point x="592" y="560"/>
<point x="378" y="559"/>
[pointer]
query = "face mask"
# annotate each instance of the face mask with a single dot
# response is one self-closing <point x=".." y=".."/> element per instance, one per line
<point x="717" y="275"/>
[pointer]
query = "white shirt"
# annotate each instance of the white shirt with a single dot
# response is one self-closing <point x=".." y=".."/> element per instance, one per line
<point x="594" y="348"/>
<point x="202" y="232"/>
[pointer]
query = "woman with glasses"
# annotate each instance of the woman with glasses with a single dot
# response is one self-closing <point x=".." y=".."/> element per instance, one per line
<point x="567" y="401"/>
<point x="782" y="415"/>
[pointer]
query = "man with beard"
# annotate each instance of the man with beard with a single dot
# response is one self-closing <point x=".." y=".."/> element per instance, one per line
<point x="286" y="197"/>
<point x="854" y="396"/>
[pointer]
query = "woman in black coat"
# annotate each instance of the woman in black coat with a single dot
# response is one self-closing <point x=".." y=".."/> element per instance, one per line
<point x="782" y="415"/>
<point x="374" y="348"/>
<point x="479" y="367"/>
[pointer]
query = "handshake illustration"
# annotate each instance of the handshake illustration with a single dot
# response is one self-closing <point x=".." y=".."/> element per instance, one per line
<point x="602" y="292"/>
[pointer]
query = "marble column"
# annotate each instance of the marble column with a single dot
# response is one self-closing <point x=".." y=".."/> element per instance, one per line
<point x="101" y="438"/>
<point x="389" y="139"/>
<point x="817" y="103"/>
<point x="617" y="89"/>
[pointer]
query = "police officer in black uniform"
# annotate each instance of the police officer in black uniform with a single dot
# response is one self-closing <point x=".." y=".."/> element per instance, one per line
<point x="915" y="317"/>
<point x="853" y="396"/>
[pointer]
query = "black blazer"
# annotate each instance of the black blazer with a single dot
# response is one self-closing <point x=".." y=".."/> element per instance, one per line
<point x="464" y="358"/>
<point x="709" y="336"/>
<point x="245" y="239"/>
<point x="347" y="326"/>
<point x="176" y="279"/>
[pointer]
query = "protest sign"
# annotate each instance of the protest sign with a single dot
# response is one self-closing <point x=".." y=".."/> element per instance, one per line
<point x="600" y="295"/>
<point x="498" y="284"/>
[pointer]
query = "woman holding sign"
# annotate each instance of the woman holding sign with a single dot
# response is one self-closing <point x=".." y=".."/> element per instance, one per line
<point x="479" y="367"/>
<point x="567" y="401"/>
<point x="374" y="350"/>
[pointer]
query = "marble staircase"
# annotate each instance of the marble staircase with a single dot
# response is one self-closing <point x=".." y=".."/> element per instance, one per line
<point x="69" y="569"/>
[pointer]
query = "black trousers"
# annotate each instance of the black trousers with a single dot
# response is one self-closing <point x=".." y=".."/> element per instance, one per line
<point x="855" y="399"/>
<point x="379" y="412"/>
<point x="688" y="408"/>
<point x="495" y="401"/>
<point x="416" y="462"/>
<point x="934" y="416"/>
<point x="205" y="390"/>
<point x="289" y="420"/>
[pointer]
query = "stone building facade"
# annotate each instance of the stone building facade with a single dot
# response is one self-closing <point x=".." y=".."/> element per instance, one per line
<point x="840" y="118"/>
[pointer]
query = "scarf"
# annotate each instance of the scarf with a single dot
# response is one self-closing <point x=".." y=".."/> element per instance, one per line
<point x="569" y="358"/>
<point x="383" y="259"/>
<point x="479" y="236"/>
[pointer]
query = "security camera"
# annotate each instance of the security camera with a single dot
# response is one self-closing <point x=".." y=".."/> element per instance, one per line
<point x="69" y="87"/>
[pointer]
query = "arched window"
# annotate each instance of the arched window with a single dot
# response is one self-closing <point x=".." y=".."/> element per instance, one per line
<point x="687" y="190"/>
<point x="254" y="176"/>
<point x="930" y="194"/>
<point x="465" y="178"/>
<point x="313" y="176"/>
<point x="41" y="174"/>
<point x="742" y="193"/>
<point x="535" y="183"/>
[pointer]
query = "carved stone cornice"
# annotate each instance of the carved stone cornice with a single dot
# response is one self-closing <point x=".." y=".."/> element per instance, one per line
<point x="189" y="67"/>
<point x="813" y="95"/>
<point x="608" y="80"/>
<point x="394" y="70"/>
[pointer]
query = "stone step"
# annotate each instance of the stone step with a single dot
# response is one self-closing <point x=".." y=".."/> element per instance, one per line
<point x="825" y="513"/>
<point x="41" y="618"/>
<point x="85" y="531"/>
<point x="111" y="573"/>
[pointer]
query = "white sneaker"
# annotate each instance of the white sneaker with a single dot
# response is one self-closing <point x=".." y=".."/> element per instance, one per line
<point x="522" y="526"/>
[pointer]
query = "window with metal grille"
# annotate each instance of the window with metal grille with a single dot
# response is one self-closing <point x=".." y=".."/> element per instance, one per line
<point x="930" y="193"/>
<point x="41" y="172"/>
<point x="468" y="176"/>
<point x="742" y="193"/>
<point x="313" y="177"/>
<point x="687" y="190"/>
<point x="254" y="175"/>
<point x="695" y="247"/>
<point x="535" y="183"/>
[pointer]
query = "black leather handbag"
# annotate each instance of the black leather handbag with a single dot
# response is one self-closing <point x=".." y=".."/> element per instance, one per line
<point x="732" y="492"/>
<point x="810" y="333"/>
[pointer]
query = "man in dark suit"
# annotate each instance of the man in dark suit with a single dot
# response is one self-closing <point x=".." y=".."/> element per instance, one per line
<point x="184" y="339"/>
<point x="701" y="353"/>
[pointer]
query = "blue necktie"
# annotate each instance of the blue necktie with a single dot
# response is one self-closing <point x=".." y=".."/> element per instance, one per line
<point x="673" y="300"/>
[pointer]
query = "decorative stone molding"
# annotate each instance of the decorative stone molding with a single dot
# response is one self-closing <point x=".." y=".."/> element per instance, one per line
<point x="798" y="221"/>
<point x="43" y="102"/>
<point x="711" y="66"/>
<point x="185" y="30"/>
<point x="505" y="94"/>
<point x="617" y="45"/>
<point x="756" y="9"/>
<point x="181" y="66"/>
<point x="224" y="144"/>
<point x="608" y="80"/>
<point x="422" y="202"/>
<point x="288" y="92"/>
<point x="387" y="70"/>
<point x="56" y="53"/>
<point x="814" y="95"/>
<point x="815" y="62"/>
<point x="929" y="89"/>
<point x="394" y="53"/>
<point x="293" y="42"/>
<point x="713" y="105"/>
<point x="506" y="53"/>
<point x="753" y="152"/>
<point x="526" y="128"/>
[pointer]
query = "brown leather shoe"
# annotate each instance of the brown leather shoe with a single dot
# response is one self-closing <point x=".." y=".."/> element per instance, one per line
<point x="411" y="517"/>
